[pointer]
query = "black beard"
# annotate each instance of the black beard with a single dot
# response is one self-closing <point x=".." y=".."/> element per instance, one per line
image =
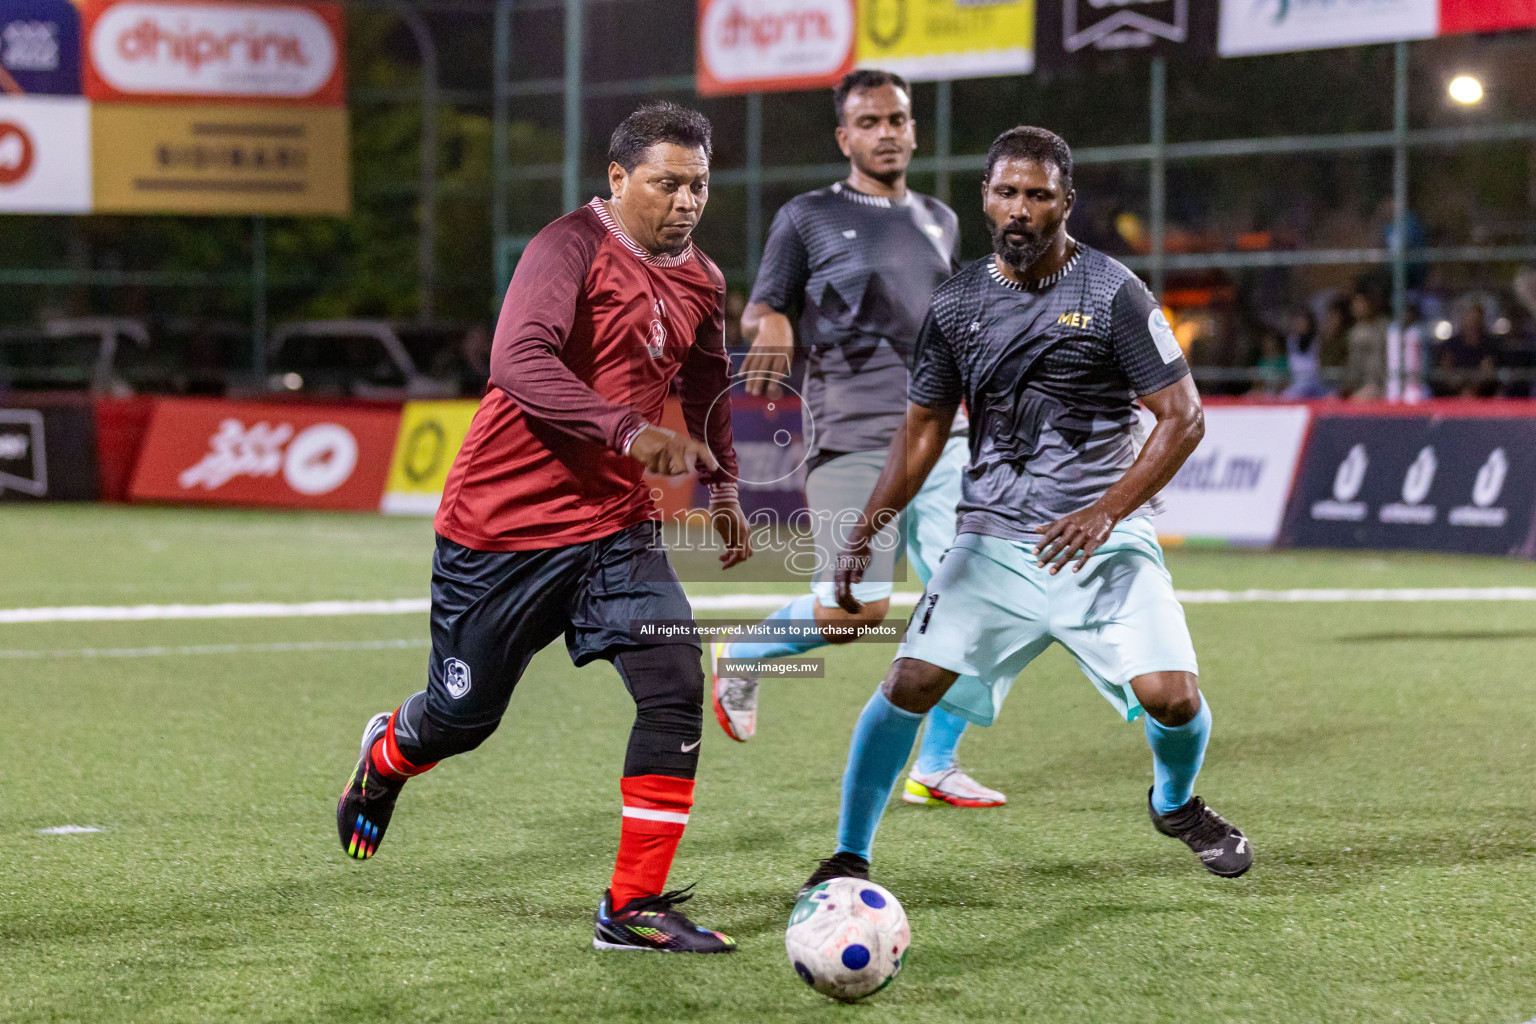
<point x="1018" y="256"/>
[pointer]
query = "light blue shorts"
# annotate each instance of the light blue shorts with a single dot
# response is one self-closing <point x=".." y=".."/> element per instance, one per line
<point x="989" y="611"/>
<point x="837" y="492"/>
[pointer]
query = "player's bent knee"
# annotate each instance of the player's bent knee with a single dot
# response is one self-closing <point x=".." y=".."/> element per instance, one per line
<point x="1171" y="698"/>
<point x="667" y="683"/>
<point x="916" y="686"/>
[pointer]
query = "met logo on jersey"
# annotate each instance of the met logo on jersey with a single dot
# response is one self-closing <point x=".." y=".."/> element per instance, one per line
<point x="1075" y="319"/>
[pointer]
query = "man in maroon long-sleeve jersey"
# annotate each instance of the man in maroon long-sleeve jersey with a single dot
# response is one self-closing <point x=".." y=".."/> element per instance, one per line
<point x="547" y="525"/>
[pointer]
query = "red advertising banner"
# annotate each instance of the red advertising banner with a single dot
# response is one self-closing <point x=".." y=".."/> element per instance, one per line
<point x="1485" y="15"/>
<point x="773" y="45"/>
<point x="214" y="51"/>
<point x="251" y="453"/>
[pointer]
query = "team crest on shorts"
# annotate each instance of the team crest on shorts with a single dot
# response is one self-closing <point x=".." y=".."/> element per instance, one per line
<point x="456" y="677"/>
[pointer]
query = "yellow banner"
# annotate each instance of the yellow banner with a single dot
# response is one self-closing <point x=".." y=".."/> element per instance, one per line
<point x="933" y="39"/>
<point x="220" y="159"/>
<point x="431" y="434"/>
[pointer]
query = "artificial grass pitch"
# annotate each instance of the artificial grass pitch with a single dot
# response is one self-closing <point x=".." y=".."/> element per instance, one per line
<point x="1378" y="756"/>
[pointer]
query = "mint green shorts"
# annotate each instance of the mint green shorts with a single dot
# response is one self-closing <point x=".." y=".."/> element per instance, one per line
<point x="837" y="493"/>
<point x="989" y="611"/>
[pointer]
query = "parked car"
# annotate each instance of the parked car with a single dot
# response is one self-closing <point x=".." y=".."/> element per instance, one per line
<point x="73" y="354"/>
<point x="348" y="358"/>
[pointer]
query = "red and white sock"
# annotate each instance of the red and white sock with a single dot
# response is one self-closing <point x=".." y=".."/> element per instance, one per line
<point x="387" y="759"/>
<point x="655" y="814"/>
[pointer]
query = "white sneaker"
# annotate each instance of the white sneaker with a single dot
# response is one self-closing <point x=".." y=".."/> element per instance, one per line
<point x="951" y="786"/>
<point x="735" y="699"/>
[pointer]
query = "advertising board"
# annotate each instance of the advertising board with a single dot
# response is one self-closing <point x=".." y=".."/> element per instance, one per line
<point x="204" y="50"/>
<point x="39" y="48"/>
<point x="218" y="159"/>
<point x="45" y="154"/>
<point x="772" y="45"/>
<point x="1465" y="484"/>
<point x="932" y="39"/>
<point x="48" y="451"/>
<point x="431" y="434"/>
<point x="250" y="453"/>
<point x="1277" y="26"/>
<point x="1234" y="487"/>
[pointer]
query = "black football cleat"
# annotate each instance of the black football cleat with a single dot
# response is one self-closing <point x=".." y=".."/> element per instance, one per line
<point x="654" y="924"/>
<point x="1223" y="849"/>
<point x="839" y="865"/>
<point x="366" y="804"/>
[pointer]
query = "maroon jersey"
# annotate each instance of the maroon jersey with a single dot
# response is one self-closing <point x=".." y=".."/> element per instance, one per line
<point x="592" y="332"/>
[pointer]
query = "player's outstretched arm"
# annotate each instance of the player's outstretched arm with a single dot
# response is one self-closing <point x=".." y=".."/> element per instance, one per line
<point x="1180" y="426"/>
<point x="915" y="450"/>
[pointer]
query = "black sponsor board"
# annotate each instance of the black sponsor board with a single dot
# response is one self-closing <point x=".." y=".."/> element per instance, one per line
<point x="1416" y="482"/>
<point x="48" y="451"/>
<point x="1072" y="33"/>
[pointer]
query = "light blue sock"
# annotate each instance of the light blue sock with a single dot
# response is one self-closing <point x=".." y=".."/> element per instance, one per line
<point x="1176" y="758"/>
<point x="882" y="739"/>
<point x="801" y="609"/>
<point x="941" y="738"/>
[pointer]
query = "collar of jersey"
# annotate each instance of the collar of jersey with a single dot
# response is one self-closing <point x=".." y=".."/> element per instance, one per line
<point x="654" y="259"/>
<point x="1036" y="286"/>
<point x="849" y="192"/>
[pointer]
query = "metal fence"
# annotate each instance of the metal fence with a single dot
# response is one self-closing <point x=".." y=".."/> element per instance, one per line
<point x="576" y="89"/>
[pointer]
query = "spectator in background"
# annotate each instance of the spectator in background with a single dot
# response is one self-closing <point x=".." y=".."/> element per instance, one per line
<point x="1333" y="333"/>
<point x="1466" y="364"/>
<point x="468" y="364"/>
<point x="1365" y="375"/>
<point x="1270" y="371"/>
<point x="1301" y="359"/>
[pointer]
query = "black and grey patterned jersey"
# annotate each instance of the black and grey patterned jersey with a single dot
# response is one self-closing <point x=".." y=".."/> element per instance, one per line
<point x="857" y="272"/>
<point x="1050" y="375"/>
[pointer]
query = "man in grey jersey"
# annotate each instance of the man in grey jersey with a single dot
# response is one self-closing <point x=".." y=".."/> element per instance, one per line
<point x="855" y="265"/>
<point x="1049" y="344"/>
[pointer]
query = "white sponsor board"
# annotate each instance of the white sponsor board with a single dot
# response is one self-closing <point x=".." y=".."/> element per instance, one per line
<point x="1236" y="484"/>
<point x="45" y="154"/>
<point x="1276" y="26"/>
<point x="776" y="44"/>
<point x="249" y="50"/>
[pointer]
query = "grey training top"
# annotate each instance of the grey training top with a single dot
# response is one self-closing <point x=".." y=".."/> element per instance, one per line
<point x="1049" y="375"/>
<point x="857" y="271"/>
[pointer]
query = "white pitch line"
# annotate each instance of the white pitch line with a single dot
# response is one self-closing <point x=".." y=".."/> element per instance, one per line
<point x="67" y="830"/>
<point x="703" y="602"/>
<point x="296" y="647"/>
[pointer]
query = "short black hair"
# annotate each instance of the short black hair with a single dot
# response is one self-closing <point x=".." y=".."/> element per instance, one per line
<point x="658" y="122"/>
<point x="1037" y="144"/>
<point x="860" y="79"/>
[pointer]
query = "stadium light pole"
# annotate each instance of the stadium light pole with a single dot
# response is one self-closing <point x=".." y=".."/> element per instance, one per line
<point x="426" y="243"/>
<point x="570" y="178"/>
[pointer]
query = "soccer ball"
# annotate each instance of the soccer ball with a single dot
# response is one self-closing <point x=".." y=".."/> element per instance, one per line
<point x="847" y="938"/>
